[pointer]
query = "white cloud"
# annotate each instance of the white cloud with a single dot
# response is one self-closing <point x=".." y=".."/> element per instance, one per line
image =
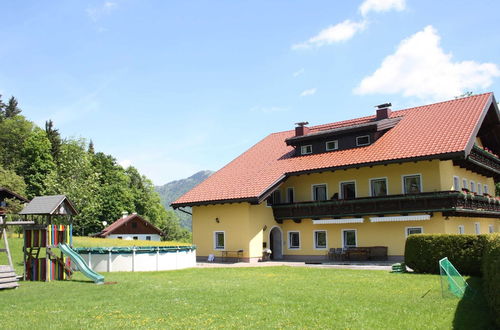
<point x="298" y="72"/>
<point x="381" y="6"/>
<point x="308" y="92"/>
<point x="336" y="33"/>
<point x="96" y="12"/>
<point x="419" y="67"/>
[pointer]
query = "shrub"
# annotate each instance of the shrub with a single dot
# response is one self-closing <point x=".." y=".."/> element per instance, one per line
<point x="491" y="275"/>
<point x="423" y="252"/>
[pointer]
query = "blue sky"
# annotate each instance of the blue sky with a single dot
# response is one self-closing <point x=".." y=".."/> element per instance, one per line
<point x="173" y="87"/>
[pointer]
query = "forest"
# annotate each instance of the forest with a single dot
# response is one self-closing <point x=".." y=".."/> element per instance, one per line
<point x="37" y="161"/>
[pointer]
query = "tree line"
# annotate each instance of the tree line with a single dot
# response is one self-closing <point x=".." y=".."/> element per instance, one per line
<point x="37" y="161"/>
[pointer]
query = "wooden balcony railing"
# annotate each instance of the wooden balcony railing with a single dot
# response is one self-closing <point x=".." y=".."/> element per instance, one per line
<point x="451" y="203"/>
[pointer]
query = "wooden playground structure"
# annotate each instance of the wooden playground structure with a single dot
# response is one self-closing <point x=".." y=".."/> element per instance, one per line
<point x="47" y="222"/>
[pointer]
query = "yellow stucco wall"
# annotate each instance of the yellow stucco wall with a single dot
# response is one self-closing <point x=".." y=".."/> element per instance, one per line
<point x="247" y="227"/>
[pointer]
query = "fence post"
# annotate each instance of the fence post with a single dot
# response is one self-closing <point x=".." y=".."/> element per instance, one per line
<point x="157" y="258"/>
<point x="133" y="259"/>
<point x="110" y="268"/>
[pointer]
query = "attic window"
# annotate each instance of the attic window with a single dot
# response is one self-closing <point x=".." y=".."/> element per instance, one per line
<point x="306" y="150"/>
<point x="332" y="145"/>
<point x="362" y="140"/>
<point x="134" y="224"/>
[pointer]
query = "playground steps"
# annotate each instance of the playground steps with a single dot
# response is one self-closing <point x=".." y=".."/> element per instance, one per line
<point x="8" y="278"/>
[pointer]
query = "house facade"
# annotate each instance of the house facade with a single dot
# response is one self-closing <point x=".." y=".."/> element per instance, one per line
<point x="366" y="182"/>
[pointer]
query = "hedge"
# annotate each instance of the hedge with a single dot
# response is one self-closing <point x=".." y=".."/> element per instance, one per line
<point x="470" y="254"/>
<point x="491" y="275"/>
<point x="465" y="252"/>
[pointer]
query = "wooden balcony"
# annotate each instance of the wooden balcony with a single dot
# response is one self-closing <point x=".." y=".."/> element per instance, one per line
<point x="482" y="162"/>
<point x="450" y="203"/>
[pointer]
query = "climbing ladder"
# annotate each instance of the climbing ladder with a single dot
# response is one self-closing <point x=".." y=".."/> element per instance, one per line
<point x="8" y="278"/>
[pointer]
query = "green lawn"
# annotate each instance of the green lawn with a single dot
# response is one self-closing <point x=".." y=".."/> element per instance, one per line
<point x="266" y="297"/>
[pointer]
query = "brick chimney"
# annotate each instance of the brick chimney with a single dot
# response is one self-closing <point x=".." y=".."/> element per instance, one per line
<point x="383" y="111"/>
<point x="301" y="128"/>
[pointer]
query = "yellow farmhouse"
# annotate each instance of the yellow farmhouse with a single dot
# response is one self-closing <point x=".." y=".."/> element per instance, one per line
<point x="361" y="185"/>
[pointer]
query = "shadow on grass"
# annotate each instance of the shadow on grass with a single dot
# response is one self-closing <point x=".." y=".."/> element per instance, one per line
<point x="472" y="311"/>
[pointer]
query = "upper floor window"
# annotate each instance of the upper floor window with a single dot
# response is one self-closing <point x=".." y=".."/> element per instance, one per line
<point x="290" y="195"/>
<point x="464" y="184"/>
<point x="378" y="187"/>
<point x="348" y="190"/>
<point x="276" y="197"/>
<point x="319" y="192"/>
<point x="479" y="189"/>
<point x="362" y="140"/>
<point x="305" y="150"/>
<point x="472" y="186"/>
<point x="486" y="189"/>
<point x="412" y="184"/>
<point x="456" y="183"/>
<point x="332" y="145"/>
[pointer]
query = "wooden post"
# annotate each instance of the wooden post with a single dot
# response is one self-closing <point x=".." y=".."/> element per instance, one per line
<point x="4" y="233"/>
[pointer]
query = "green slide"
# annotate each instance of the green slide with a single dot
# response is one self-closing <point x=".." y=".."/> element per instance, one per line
<point x="82" y="265"/>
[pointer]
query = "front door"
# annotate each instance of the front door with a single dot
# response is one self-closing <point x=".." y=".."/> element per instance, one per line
<point x="276" y="244"/>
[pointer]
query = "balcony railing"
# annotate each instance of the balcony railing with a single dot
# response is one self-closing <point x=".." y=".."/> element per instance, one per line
<point x="451" y="203"/>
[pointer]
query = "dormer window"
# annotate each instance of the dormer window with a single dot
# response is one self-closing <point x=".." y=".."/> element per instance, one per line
<point x="306" y="150"/>
<point x="332" y="145"/>
<point x="362" y="140"/>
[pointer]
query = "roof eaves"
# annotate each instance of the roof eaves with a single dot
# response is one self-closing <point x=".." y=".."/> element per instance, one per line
<point x="472" y="137"/>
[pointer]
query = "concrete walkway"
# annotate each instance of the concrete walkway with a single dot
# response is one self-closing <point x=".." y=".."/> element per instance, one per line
<point x="382" y="265"/>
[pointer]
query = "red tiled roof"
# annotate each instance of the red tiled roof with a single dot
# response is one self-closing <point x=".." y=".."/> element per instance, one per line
<point x="120" y="222"/>
<point x="440" y="128"/>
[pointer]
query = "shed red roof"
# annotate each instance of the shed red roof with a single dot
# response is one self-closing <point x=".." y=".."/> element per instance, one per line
<point x="122" y="221"/>
<point x="425" y="131"/>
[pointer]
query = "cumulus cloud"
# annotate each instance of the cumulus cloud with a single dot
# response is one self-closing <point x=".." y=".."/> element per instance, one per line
<point x="308" y="92"/>
<point x="381" y="6"/>
<point x="105" y="8"/>
<point x="336" y="33"/>
<point x="420" y="68"/>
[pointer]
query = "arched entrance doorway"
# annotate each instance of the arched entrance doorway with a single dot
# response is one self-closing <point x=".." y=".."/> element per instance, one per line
<point x="276" y="243"/>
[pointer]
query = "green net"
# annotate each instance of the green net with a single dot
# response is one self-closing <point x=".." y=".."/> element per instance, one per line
<point x="452" y="283"/>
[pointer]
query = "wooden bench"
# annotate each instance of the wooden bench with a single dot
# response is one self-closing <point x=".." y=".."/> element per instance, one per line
<point x="227" y="254"/>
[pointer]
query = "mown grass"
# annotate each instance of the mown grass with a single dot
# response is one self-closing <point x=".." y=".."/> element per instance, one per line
<point x="266" y="297"/>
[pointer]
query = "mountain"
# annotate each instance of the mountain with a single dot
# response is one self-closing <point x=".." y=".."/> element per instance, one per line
<point x="169" y="192"/>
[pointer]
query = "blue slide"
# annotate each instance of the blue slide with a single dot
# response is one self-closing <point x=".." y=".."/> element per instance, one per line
<point x="82" y="265"/>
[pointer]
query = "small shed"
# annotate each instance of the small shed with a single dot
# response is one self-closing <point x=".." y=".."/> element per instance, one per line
<point x="132" y="227"/>
<point x="5" y="195"/>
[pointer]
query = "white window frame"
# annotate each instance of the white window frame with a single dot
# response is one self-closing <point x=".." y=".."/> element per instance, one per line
<point x="288" y="194"/>
<point x="355" y="188"/>
<point x="472" y="186"/>
<point x="485" y="189"/>
<point x="370" y="193"/>
<point x="465" y="184"/>
<point x="491" y="229"/>
<point x="461" y="229"/>
<point x="317" y="185"/>
<point x="413" y="227"/>
<point x="290" y="241"/>
<point x="403" y="182"/>
<point x="315" y="245"/>
<point x="303" y="149"/>
<point x="355" y="236"/>
<point x="479" y="188"/>
<point x="336" y="142"/>
<point x="364" y="144"/>
<point x="456" y="183"/>
<point x="477" y="228"/>
<point x="215" y="240"/>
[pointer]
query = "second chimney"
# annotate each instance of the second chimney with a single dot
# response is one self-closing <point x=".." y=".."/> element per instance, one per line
<point x="124" y="214"/>
<point x="301" y="128"/>
<point x="383" y="111"/>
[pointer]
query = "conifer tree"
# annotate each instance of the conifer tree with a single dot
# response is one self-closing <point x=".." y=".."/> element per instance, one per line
<point x="12" y="108"/>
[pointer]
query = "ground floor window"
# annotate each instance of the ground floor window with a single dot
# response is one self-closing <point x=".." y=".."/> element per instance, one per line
<point x="148" y="238"/>
<point x="320" y="239"/>
<point x="119" y="237"/>
<point x="491" y="229"/>
<point x="461" y="229"/>
<point x="477" y="228"/>
<point x="349" y="238"/>
<point x="294" y="240"/>
<point x="219" y="240"/>
<point x="414" y="230"/>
